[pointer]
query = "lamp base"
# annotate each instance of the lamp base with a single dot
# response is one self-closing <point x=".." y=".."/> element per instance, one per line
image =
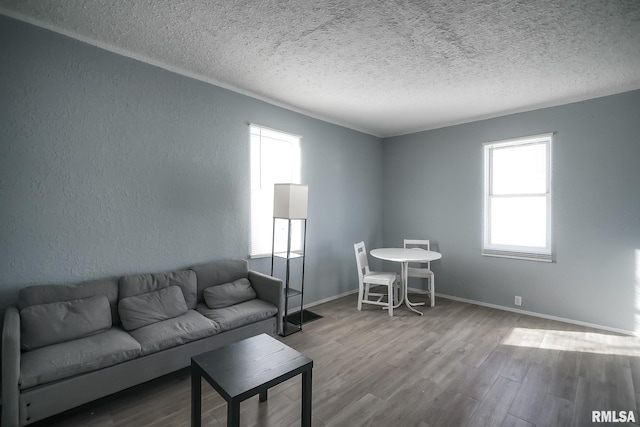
<point x="307" y="316"/>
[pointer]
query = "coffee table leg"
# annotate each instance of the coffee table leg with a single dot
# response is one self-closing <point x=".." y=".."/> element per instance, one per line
<point x="263" y="396"/>
<point x="233" y="413"/>
<point x="196" y="398"/>
<point x="306" y="398"/>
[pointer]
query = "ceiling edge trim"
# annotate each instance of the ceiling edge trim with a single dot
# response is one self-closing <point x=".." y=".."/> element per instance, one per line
<point x="533" y="107"/>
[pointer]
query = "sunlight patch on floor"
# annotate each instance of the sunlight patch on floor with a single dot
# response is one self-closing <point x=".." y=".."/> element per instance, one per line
<point x="586" y="342"/>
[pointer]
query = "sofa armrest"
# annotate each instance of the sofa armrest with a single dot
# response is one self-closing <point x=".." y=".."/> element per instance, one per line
<point x="269" y="289"/>
<point x="11" y="368"/>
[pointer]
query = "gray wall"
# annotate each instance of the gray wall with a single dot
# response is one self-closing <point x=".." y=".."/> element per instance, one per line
<point x="433" y="189"/>
<point x="111" y="166"/>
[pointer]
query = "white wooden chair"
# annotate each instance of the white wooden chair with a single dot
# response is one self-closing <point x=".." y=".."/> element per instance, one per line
<point x="424" y="271"/>
<point x="368" y="278"/>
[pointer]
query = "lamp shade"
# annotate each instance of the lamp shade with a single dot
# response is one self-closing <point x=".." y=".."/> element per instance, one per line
<point x="290" y="201"/>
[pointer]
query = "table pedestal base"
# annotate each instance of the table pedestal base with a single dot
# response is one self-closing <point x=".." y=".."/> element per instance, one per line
<point x="404" y="277"/>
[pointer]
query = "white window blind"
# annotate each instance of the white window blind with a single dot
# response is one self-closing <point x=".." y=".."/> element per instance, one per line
<point x="517" y="198"/>
<point x="275" y="158"/>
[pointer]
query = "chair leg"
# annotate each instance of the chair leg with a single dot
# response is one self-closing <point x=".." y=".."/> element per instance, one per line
<point x="360" y="290"/>
<point x="390" y="298"/>
<point x="432" y="285"/>
<point x="396" y="293"/>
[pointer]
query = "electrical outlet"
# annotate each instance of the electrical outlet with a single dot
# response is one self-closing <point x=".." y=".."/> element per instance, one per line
<point x="518" y="300"/>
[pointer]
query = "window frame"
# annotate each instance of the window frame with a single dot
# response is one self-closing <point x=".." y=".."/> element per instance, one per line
<point x="531" y="253"/>
<point x="258" y="186"/>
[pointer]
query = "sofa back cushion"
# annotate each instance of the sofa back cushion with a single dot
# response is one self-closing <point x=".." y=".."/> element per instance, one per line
<point x="136" y="284"/>
<point x="219" y="272"/>
<point x="61" y="321"/>
<point x="144" y="309"/>
<point x="44" y="294"/>
<point x="220" y="296"/>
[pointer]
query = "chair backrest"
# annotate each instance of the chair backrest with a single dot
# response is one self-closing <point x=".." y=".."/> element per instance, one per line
<point x="362" y="260"/>
<point x="419" y="243"/>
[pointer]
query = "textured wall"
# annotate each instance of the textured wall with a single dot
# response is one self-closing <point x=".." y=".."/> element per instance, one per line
<point x="111" y="166"/>
<point x="596" y="211"/>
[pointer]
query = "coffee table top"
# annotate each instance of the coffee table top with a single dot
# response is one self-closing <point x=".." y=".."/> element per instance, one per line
<point x="239" y="369"/>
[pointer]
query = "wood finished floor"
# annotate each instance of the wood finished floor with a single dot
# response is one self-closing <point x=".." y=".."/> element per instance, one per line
<point x="458" y="365"/>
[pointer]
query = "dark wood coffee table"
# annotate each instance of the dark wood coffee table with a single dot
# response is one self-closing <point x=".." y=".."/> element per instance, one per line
<point x="249" y="367"/>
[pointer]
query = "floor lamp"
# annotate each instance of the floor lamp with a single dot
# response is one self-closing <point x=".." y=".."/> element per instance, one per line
<point x="290" y="204"/>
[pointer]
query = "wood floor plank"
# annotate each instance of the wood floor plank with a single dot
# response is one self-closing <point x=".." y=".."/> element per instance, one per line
<point x="409" y="405"/>
<point x="516" y="365"/>
<point x="482" y="379"/>
<point x="450" y="409"/>
<point x="555" y="411"/>
<point x="634" y="364"/>
<point x="458" y="364"/>
<point x="532" y="392"/>
<point x="564" y="382"/>
<point x="478" y="351"/>
<point x="494" y="407"/>
<point x="359" y="412"/>
<point x="394" y="380"/>
<point x="414" y="349"/>
<point x="590" y="396"/>
<point x="620" y="390"/>
<point x="592" y="366"/>
<point x="511" y="421"/>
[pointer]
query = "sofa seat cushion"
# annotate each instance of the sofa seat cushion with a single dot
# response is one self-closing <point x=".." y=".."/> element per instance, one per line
<point x="238" y="315"/>
<point x="169" y="333"/>
<point x="63" y="360"/>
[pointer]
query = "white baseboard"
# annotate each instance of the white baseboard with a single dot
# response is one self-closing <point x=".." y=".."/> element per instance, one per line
<point x="322" y="301"/>
<point x="541" y="315"/>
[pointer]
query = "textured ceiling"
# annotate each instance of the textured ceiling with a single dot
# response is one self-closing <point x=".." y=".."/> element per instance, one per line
<point x="382" y="67"/>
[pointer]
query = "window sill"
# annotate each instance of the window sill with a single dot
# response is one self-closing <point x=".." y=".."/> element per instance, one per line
<point x="259" y="256"/>
<point x="524" y="257"/>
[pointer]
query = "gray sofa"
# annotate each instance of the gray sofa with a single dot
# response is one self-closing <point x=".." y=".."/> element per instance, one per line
<point x="66" y="345"/>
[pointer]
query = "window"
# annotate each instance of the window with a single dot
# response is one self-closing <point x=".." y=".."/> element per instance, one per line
<point x="275" y="158"/>
<point x="517" y="198"/>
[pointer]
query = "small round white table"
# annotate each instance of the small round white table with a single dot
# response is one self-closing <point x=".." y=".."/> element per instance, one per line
<point x="405" y="256"/>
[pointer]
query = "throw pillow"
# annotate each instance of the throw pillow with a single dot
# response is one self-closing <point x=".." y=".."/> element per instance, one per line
<point x="145" y="309"/>
<point x="136" y="284"/>
<point x="221" y="296"/>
